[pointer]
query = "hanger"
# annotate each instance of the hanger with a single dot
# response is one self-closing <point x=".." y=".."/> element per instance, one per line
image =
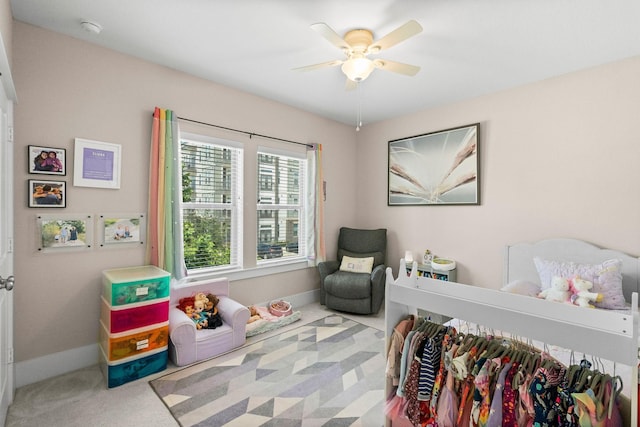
<point x="599" y="385"/>
<point x="573" y="374"/>
<point x="584" y="379"/>
<point x="467" y="343"/>
<point x="497" y="348"/>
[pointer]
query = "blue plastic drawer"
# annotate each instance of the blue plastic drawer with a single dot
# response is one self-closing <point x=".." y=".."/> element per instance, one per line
<point x="131" y="369"/>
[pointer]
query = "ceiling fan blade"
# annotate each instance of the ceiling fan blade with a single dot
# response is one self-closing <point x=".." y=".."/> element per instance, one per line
<point x="318" y="66"/>
<point x="396" y="67"/>
<point x="396" y="36"/>
<point x="328" y="33"/>
<point x="350" y="84"/>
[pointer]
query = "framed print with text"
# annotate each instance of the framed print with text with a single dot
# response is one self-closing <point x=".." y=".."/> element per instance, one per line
<point x="96" y="164"/>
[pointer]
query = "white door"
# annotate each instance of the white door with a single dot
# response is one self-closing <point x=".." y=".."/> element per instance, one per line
<point x="6" y="254"/>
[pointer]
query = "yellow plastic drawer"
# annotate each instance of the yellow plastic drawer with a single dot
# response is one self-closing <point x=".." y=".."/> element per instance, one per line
<point x="131" y="343"/>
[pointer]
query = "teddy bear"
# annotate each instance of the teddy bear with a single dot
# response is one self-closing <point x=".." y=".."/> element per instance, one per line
<point x="581" y="294"/>
<point x="559" y="290"/>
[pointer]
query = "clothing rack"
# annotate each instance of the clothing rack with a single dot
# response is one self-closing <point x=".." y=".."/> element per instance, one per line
<point x="603" y="333"/>
<point x="250" y="134"/>
<point x="433" y="379"/>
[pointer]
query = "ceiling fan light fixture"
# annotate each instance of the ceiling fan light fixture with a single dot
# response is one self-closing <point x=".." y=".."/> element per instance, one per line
<point x="357" y="69"/>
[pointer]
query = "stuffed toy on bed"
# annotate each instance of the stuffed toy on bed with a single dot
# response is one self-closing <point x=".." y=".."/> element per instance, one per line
<point x="581" y="295"/>
<point x="558" y="292"/>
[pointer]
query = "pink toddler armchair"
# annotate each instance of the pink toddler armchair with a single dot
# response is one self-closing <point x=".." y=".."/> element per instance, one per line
<point x="189" y="345"/>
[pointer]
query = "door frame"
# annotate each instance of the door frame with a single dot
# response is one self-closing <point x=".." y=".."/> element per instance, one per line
<point x="7" y="99"/>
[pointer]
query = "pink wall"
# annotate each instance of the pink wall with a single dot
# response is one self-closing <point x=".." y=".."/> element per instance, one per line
<point x="559" y="158"/>
<point x="68" y="88"/>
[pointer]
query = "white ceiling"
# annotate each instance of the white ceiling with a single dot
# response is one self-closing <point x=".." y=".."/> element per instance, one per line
<point x="467" y="48"/>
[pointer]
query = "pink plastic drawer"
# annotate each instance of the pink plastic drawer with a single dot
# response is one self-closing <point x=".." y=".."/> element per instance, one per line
<point x="133" y="316"/>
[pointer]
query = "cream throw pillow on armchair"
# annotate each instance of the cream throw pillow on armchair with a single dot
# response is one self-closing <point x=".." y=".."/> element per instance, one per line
<point x="357" y="265"/>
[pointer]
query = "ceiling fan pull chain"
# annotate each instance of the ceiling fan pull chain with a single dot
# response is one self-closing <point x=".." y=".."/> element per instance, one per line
<point x="359" y="107"/>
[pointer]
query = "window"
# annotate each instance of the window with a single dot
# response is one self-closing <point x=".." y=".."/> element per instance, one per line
<point x="214" y="224"/>
<point x="280" y="206"/>
<point x="211" y="200"/>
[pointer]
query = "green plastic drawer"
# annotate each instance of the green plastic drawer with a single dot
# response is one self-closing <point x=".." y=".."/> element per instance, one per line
<point x="132" y="285"/>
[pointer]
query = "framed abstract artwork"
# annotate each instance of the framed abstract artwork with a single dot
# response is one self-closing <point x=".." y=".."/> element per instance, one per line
<point x="437" y="168"/>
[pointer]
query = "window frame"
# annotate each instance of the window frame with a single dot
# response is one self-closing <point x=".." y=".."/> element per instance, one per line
<point x="300" y="206"/>
<point x="246" y="225"/>
<point x="234" y="181"/>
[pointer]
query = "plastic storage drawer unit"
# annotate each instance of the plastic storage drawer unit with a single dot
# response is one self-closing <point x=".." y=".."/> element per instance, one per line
<point x="134" y="316"/>
<point x="133" y="342"/>
<point x="131" y="285"/>
<point x="133" y="368"/>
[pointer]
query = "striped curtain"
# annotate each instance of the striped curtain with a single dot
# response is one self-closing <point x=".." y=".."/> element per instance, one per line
<point x="315" y="206"/>
<point x="164" y="225"/>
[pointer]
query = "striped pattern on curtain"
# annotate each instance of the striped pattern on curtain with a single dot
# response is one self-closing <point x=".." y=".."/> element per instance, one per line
<point x="164" y="230"/>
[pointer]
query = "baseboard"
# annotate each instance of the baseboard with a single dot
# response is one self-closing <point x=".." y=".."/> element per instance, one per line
<point x="38" y="369"/>
<point x="41" y="368"/>
<point x="298" y="300"/>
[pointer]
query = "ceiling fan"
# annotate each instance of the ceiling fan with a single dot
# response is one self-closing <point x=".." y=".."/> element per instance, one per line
<point x="358" y="44"/>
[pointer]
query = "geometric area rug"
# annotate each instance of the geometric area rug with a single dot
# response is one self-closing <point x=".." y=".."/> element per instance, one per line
<point x="326" y="373"/>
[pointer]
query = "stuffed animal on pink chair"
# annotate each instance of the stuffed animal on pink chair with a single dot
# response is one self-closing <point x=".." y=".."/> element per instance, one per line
<point x="581" y="294"/>
<point x="188" y="305"/>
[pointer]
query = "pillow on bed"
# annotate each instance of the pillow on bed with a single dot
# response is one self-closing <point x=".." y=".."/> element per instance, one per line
<point x="606" y="278"/>
<point x="522" y="287"/>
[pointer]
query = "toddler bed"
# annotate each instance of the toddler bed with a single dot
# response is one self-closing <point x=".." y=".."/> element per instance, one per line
<point x="609" y="334"/>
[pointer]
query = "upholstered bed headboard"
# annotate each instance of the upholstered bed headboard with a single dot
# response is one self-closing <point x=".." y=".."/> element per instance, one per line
<point x="519" y="264"/>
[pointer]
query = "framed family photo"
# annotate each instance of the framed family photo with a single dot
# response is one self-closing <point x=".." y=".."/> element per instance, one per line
<point x="47" y="160"/>
<point x="122" y="229"/>
<point x="64" y="232"/>
<point x="47" y="194"/>
<point x="438" y="168"/>
<point x="96" y="164"/>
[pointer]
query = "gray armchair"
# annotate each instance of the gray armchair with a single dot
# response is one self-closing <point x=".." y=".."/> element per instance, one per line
<point x="360" y="293"/>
